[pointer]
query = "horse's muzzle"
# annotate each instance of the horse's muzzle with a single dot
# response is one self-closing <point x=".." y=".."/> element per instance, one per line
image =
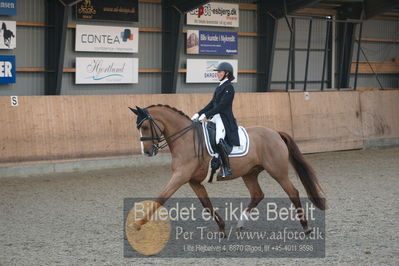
<point x="153" y="152"/>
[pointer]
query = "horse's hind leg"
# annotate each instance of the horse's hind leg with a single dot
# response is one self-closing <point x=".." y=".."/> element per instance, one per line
<point x="257" y="195"/>
<point x="279" y="172"/>
<point x="293" y="194"/>
<point x="202" y="195"/>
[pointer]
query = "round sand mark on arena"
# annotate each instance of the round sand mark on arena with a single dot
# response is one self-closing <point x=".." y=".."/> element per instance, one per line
<point x="152" y="237"/>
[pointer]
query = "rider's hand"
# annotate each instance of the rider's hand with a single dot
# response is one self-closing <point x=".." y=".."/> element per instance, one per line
<point x="195" y="117"/>
<point x="202" y="117"/>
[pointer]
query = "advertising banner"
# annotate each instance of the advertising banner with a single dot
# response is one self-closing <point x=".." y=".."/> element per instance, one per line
<point x="8" y="7"/>
<point x="215" y="14"/>
<point x="211" y="42"/>
<point x="8" y="36"/>
<point x="7" y="69"/>
<point x="106" y="39"/>
<point x="116" y="10"/>
<point x="106" y="70"/>
<point x="202" y="70"/>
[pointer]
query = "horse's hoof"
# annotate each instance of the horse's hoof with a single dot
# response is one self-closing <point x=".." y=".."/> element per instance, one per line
<point x="238" y="229"/>
<point x="308" y="231"/>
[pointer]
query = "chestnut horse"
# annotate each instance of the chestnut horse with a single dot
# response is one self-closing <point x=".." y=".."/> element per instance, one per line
<point x="269" y="150"/>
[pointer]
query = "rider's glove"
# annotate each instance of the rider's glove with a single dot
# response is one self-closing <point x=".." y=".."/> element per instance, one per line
<point x="202" y="117"/>
<point x="195" y="117"/>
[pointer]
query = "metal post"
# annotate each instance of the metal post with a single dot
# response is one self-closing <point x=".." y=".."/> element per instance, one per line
<point x="307" y="54"/>
<point x="371" y="67"/>
<point x="325" y="52"/>
<point x="60" y="66"/>
<point x="289" y="55"/>
<point x="172" y="38"/>
<point x="57" y="15"/>
<point x="267" y="30"/>
<point x="332" y="55"/>
<point x="293" y="55"/>
<point x="358" y="54"/>
<point x="342" y="56"/>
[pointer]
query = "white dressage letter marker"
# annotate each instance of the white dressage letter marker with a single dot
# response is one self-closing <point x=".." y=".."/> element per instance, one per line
<point x="14" y="101"/>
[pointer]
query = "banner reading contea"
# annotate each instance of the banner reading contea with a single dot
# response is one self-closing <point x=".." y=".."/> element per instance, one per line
<point x="202" y="70"/>
<point x="106" y="70"/>
<point x="106" y="39"/>
<point x="215" y="14"/>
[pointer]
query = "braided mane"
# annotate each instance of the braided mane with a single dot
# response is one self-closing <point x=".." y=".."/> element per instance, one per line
<point x="171" y="108"/>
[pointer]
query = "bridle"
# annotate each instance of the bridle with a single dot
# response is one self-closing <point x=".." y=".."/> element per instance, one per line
<point x="167" y="140"/>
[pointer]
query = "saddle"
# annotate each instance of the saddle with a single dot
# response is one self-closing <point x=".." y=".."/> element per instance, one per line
<point x="209" y="130"/>
<point x="211" y="127"/>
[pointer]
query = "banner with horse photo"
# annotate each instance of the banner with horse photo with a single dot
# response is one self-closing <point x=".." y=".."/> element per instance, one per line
<point x="8" y="39"/>
<point x="212" y="42"/>
<point x="183" y="228"/>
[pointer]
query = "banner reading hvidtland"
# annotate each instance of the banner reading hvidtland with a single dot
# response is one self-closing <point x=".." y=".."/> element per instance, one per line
<point x="106" y="70"/>
<point x="117" y="10"/>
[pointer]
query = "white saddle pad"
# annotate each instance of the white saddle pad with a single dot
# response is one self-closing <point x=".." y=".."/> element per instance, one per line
<point x="237" y="151"/>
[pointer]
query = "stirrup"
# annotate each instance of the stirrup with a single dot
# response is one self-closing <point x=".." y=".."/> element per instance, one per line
<point x="226" y="172"/>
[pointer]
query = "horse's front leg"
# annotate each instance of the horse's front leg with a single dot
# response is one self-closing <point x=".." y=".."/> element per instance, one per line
<point x="202" y="195"/>
<point x="174" y="184"/>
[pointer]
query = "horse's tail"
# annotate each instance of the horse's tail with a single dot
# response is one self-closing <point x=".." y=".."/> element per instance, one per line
<point x="305" y="172"/>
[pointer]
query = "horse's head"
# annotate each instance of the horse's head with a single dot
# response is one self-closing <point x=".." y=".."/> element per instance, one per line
<point x="150" y="131"/>
<point x="3" y="26"/>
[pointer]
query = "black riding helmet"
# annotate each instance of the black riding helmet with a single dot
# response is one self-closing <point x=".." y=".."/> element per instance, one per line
<point x="227" y="67"/>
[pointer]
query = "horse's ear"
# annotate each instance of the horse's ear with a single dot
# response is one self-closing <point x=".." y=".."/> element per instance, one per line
<point x="134" y="111"/>
<point x="140" y="110"/>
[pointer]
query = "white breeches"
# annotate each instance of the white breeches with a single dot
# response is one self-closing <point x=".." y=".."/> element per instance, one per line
<point x="220" y="132"/>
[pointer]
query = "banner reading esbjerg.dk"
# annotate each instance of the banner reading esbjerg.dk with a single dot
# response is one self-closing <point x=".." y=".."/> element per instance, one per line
<point x="215" y="14"/>
<point x="211" y="42"/>
<point x="7" y="69"/>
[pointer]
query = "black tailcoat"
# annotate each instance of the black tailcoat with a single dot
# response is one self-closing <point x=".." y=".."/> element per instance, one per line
<point x="222" y="103"/>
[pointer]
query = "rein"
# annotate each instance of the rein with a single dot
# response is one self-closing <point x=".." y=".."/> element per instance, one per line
<point x="170" y="139"/>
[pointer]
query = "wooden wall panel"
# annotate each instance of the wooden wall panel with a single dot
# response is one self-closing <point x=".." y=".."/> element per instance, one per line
<point x="73" y="127"/>
<point x="380" y="114"/>
<point x="328" y="121"/>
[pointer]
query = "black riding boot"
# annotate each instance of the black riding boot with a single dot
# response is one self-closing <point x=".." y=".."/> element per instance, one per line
<point x="225" y="159"/>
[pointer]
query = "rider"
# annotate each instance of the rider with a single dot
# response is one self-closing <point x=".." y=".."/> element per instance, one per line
<point x="220" y="110"/>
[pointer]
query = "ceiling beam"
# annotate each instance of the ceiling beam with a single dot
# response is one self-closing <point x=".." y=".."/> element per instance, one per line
<point x="376" y="7"/>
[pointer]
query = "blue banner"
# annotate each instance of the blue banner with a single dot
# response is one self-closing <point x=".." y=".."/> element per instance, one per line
<point x="8" y="7"/>
<point x="7" y="69"/>
<point x="212" y="42"/>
